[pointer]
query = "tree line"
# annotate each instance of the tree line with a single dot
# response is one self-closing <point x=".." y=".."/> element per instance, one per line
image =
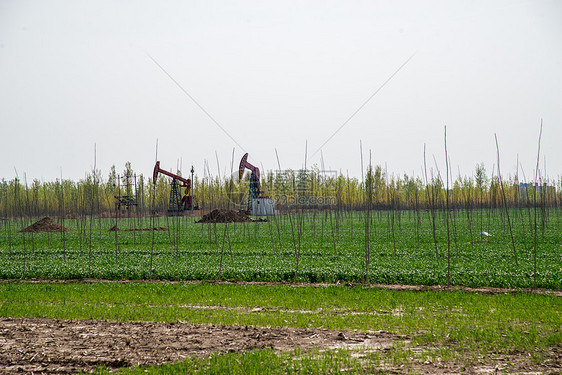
<point x="291" y="189"/>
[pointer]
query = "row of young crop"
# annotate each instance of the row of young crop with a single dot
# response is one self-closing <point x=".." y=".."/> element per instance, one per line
<point x="410" y="247"/>
<point x="291" y="189"/>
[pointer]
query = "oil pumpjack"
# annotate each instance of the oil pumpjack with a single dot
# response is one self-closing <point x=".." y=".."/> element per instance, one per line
<point x="177" y="203"/>
<point x="257" y="203"/>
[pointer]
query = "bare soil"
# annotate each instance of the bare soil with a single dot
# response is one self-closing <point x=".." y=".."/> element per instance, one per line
<point x="69" y="346"/>
<point x="57" y="346"/>
<point x="219" y="215"/>
<point x="46" y="224"/>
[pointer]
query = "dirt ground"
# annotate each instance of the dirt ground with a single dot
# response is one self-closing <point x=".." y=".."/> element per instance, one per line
<point x="56" y="346"/>
<point x="68" y="346"/>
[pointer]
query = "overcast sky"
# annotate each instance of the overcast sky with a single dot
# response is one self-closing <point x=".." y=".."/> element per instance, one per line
<point x="260" y="76"/>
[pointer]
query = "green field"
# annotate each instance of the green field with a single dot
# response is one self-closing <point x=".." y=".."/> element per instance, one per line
<point x="426" y="331"/>
<point x="431" y="331"/>
<point x="491" y="322"/>
<point x="321" y="247"/>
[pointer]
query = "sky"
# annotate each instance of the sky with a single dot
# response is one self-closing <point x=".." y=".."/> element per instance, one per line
<point x="295" y="84"/>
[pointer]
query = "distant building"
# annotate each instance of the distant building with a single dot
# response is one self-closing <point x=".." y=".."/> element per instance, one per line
<point x="526" y="192"/>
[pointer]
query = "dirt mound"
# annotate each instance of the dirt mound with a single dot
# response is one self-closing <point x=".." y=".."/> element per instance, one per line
<point x="219" y="215"/>
<point x="225" y="216"/>
<point x="115" y="228"/>
<point x="46" y="224"/>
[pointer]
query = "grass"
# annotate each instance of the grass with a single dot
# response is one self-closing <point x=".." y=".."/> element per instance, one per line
<point x="459" y="329"/>
<point x="264" y="361"/>
<point x="497" y="323"/>
<point x="331" y="250"/>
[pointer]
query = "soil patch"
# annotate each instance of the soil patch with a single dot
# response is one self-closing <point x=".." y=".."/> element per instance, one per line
<point x="68" y="346"/>
<point x="46" y="224"/>
<point x="219" y="215"/>
<point x="59" y="346"/>
<point x="115" y="228"/>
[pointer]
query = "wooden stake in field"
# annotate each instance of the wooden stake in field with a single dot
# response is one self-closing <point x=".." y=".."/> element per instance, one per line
<point x="62" y="217"/>
<point x="431" y="199"/>
<point x="20" y="209"/>
<point x="92" y="215"/>
<point x="152" y="215"/>
<point x="369" y="202"/>
<point x="505" y="202"/>
<point x="447" y="213"/>
<point x="535" y="204"/>
<point x="222" y="249"/>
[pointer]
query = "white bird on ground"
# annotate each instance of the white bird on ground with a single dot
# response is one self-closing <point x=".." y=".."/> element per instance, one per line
<point x="485" y="234"/>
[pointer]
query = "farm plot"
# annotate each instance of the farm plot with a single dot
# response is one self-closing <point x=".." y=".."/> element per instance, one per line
<point x="198" y="327"/>
<point x="399" y="248"/>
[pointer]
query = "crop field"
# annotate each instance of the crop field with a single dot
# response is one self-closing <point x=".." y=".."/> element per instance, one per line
<point x="162" y="327"/>
<point x="304" y="292"/>
<point x="325" y="247"/>
<point x="293" y="207"/>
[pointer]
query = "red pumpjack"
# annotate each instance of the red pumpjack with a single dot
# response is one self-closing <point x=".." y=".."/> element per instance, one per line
<point x="254" y="192"/>
<point x="175" y="204"/>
